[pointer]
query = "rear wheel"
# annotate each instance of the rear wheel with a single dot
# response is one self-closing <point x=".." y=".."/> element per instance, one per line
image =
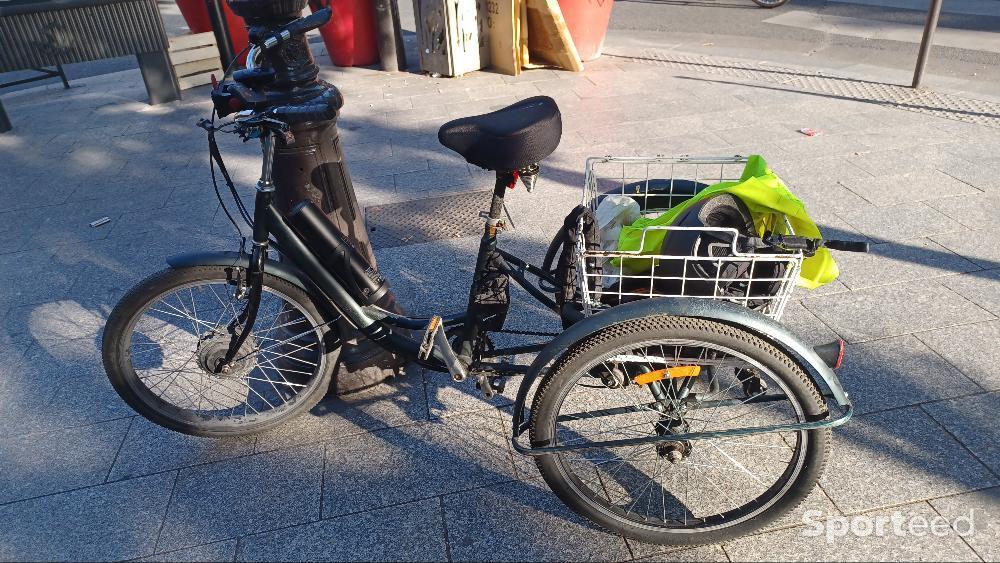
<point x="770" y="3"/>
<point x="665" y="375"/>
<point x="164" y="340"/>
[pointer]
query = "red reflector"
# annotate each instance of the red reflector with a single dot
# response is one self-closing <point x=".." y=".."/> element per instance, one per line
<point x="840" y="355"/>
<point x="235" y="104"/>
<point x="215" y="82"/>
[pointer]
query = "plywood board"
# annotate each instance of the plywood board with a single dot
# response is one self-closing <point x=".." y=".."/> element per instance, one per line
<point x="195" y="59"/>
<point x="548" y="36"/>
<point x="523" y="18"/>
<point x="503" y="20"/>
<point x="452" y="35"/>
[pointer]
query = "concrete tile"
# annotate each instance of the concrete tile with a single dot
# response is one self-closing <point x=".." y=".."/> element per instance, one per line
<point x="970" y="420"/>
<point x="982" y="247"/>
<point x="243" y="496"/>
<point x="536" y="527"/>
<point x="899" y="371"/>
<point x="110" y="522"/>
<point x="32" y="277"/>
<point x="896" y="457"/>
<point x="40" y="464"/>
<point x="978" y="212"/>
<point x="82" y="393"/>
<point x="150" y="448"/>
<point x="892" y="310"/>
<point x="981" y="508"/>
<point x="811" y="544"/>
<point x="703" y="553"/>
<point x="409" y="532"/>
<point x="806" y="325"/>
<point x="983" y="174"/>
<point x="900" y="222"/>
<point x="919" y="185"/>
<point x="218" y="551"/>
<point x="979" y="287"/>
<point x="971" y="348"/>
<point x="889" y="263"/>
<point x="455" y="454"/>
<point x="398" y="401"/>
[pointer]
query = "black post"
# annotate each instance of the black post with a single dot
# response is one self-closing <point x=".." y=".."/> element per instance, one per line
<point x="217" y="15"/>
<point x="4" y="120"/>
<point x="312" y="166"/>
<point x="158" y="74"/>
<point x="933" y="13"/>
<point x="391" y="50"/>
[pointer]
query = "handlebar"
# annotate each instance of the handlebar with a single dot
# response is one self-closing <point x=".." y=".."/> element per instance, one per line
<point x="300" y="26"/>
<point x="806" y="245"/>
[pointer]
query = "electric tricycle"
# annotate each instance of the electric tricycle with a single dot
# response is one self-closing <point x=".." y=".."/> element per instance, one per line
<point x="674" y="408"/>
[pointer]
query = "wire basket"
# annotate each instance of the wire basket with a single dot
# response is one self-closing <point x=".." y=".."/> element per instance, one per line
<point x="728" y="270"/>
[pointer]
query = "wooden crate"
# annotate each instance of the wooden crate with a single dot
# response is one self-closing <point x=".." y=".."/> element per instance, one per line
<point x="453" y="35"/>
<point x="195" y="58"/>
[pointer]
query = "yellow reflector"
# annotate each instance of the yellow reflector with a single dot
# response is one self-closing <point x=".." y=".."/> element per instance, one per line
<point x="668" y="373"/>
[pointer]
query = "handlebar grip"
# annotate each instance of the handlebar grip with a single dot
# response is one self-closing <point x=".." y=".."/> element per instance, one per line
<point x="323" y="108"/>
<point x="846" y="245"/>
<point x="298" y="27"/>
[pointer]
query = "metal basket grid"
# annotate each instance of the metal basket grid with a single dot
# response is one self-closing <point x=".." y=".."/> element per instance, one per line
<point x="657" y="184"/>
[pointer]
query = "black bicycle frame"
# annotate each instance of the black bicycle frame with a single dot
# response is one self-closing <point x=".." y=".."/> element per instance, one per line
<point x="377" y="324"/>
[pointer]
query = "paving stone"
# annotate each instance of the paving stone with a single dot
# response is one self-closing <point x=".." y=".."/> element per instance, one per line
<point x="243" y="496"/>
<point x="536" y="527"/>
<point x="900" y="222"/>
<point x="970" y="420"/>
<point x="971" y="348"/>
<point x="896" y="457"/>
<point x="982" y="247"/>
<point x="398" y="401"/>
<point x="892" y="310"/>
<point x="703" y="553"/>
<point x="82" y="393"/>
<point x="40" y="464"/>
<point x="109" y="522"/>
<point x="806" y="325"/>
<point x="455" y="454"/>
<point x="981" y="508"/>
<point x="409" y="532"/>
<point x="150" y="448"/>
<point x="891" y="262"/>
<point x="899" y="371"/>
<point x="218" y="551"/>
<point x="983" y="174"/>
<point x="978" y="212"/>
<point x="918" y="185"/>
<point x="979" y="287"/>
<point x="32" y="277"/>
<point x="810" y="543"/>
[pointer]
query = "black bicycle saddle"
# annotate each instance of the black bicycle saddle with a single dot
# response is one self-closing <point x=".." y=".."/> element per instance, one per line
<point x="508" y="139"/>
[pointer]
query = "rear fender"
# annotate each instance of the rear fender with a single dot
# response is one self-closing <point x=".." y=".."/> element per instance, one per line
<point x="721" y="311"/>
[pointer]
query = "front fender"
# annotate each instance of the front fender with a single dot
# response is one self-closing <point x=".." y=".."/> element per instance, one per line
<point x="282" y="270"/>
<point x="722" y="311"/>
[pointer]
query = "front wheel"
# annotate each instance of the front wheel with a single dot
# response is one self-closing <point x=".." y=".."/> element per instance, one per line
<point x="661" y="376"/>
<point x="164" y="341"/>
<point x="770" y="3"/>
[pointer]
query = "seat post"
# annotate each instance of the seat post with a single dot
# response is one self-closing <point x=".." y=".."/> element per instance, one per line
<point x="487" y="245"/>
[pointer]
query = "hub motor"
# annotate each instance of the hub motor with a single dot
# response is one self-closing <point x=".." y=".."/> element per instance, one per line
<point x="212" y="348"/>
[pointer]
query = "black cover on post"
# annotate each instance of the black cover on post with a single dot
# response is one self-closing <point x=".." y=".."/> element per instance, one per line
<point x="312" y="167"/>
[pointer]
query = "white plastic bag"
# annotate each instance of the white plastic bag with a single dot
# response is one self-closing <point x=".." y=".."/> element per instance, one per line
<point x="612" y="213"/>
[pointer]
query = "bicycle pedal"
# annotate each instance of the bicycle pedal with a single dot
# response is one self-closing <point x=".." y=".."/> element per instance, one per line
<point x="427" y="342"/>
<point x="490" y="385"/>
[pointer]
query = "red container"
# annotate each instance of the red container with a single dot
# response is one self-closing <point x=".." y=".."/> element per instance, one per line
<point x="195" y="14"/>
<point x="587" y="21"/>
<point x="350" y="36"/>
